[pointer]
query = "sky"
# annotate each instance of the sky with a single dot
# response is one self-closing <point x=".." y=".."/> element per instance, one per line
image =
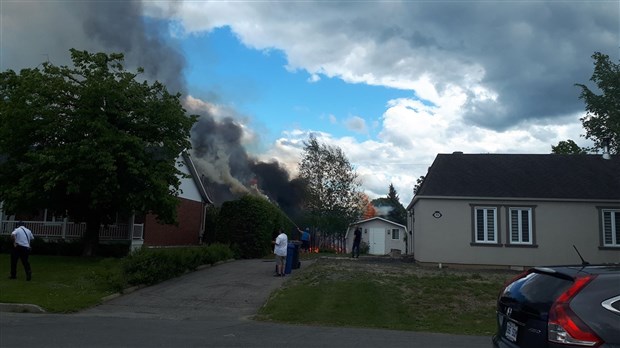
<point x="392" y="83"/>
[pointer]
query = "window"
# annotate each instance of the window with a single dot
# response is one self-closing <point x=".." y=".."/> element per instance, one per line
<point x="395" y="233"/>
<point x="611" y="227"/>
<point x="485" y="224"/>
<point x="520" y="226"/>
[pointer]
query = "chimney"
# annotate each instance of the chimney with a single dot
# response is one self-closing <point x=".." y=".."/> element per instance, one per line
<point x="605" y="144"/>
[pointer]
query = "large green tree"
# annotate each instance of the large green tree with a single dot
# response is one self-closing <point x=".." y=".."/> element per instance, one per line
<point x="90" y="141"/>
<point x="602" y="120"/>
<point x="332" y="188"/>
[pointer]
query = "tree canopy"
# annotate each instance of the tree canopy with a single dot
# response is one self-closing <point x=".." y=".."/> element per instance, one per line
<point x="567" y="147"/>
<point x="90" y="141"/>
<point x="602" y="120"/>
<point x="418" y="184"/>
<point x="390" y="207"/>
<point x="332" y="189"/>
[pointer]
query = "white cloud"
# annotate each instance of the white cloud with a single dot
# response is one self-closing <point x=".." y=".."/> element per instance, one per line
<point x="333" y="119"/>
<point x="356" y="124"/>
<point x="314" y="78"/>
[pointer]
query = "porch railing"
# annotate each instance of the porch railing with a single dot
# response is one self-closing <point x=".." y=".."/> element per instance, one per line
<point x="72" y="230"/>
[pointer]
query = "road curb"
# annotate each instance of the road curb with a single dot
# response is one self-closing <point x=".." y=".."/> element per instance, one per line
<point x="20" y="308"/>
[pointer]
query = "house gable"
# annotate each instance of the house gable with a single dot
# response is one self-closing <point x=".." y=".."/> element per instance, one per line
<point x="192" y="187"/>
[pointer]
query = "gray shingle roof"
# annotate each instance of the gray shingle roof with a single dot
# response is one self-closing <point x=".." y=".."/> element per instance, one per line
<point x="548" y="176"/>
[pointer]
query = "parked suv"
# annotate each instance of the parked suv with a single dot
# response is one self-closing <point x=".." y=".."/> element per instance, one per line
<point x="560" y="306"/>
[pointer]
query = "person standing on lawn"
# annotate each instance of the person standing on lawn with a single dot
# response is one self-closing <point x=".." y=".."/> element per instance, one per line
<point x="357" y="239"/>
<point x="280" y="247"/>
<point x="21" y="237"/>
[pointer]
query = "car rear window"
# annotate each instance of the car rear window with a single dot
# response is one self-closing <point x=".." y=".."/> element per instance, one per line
<point x="536" y="291"/>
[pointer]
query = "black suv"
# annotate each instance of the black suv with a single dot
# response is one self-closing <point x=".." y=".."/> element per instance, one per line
<point x="560" y="306"/>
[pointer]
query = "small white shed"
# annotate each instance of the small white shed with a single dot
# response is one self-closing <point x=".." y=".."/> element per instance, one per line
<point x="382" y="236"/>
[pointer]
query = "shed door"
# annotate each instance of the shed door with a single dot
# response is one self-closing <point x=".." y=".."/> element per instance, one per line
<point x="376" y="241"/>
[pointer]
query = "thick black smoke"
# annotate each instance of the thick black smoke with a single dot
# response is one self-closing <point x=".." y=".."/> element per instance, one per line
<point x="120" y="26"/>
<point x="231" y="172"/>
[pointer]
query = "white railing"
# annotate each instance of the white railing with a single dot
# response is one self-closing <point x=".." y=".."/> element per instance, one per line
<point x="72" y="230"/>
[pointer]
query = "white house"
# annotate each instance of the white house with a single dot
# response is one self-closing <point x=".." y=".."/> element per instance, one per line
<point x="382" y="236"/>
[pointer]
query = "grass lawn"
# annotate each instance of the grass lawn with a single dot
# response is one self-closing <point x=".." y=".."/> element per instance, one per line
<point x="395" y="295"/>
<point x="60" y="284"/>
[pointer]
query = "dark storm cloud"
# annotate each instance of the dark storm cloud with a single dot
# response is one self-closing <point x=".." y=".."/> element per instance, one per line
<point x="532" y="52"/>
<point x="120" y="26"/>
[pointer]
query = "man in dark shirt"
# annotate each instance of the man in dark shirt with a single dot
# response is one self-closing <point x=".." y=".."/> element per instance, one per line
<point x="355" y="251"/>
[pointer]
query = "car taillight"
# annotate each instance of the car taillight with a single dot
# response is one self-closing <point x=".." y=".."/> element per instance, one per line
<point x="565" y="327"/>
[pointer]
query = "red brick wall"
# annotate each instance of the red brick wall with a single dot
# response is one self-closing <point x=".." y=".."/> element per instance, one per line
<point x="186" y="233"/>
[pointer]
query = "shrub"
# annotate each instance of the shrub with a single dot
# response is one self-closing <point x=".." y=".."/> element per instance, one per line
<point x="249" y="224"/>
<point x="364" y="248"/>
<point x="151" y="266"/>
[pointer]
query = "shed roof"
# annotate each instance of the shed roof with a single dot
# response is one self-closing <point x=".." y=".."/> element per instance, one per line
<point x="375" y="218"/>
<point x="543" y="176"/>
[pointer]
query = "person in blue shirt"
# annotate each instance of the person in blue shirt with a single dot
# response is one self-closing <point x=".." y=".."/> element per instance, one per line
<point x="305" y="240"/>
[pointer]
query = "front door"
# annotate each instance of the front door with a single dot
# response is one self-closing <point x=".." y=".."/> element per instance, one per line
<point x="376" y="241"/>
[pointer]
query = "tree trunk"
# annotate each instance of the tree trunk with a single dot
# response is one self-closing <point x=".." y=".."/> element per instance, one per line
<point x="91" y="236"/>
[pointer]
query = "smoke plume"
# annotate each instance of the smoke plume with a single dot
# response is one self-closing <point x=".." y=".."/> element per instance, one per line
<point x="231" y="172"/>
<point x="55" y="27"/>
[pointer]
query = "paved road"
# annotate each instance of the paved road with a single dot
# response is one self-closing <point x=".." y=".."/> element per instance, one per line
<point x="208" y="308"/>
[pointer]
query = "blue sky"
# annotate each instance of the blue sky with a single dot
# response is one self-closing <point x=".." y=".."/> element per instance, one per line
<point x="258" y="85"/>
<point x="391" y="83"/>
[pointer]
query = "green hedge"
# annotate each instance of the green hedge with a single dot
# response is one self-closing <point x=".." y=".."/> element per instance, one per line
<point x="249" y="224"/>
<point x="151" y="266"/>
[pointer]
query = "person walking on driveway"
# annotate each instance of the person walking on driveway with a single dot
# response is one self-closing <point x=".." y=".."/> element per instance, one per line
<point x="280" y="247"/>
<point x="355" y="250"/>
<point x="21" y="237"/>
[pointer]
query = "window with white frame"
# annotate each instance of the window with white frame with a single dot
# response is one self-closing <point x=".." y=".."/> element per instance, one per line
<point x="485" y="224"/>
<point x="611" y="227"/>
<point x="520" y="225"/>
<point x="395" y="233"/>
